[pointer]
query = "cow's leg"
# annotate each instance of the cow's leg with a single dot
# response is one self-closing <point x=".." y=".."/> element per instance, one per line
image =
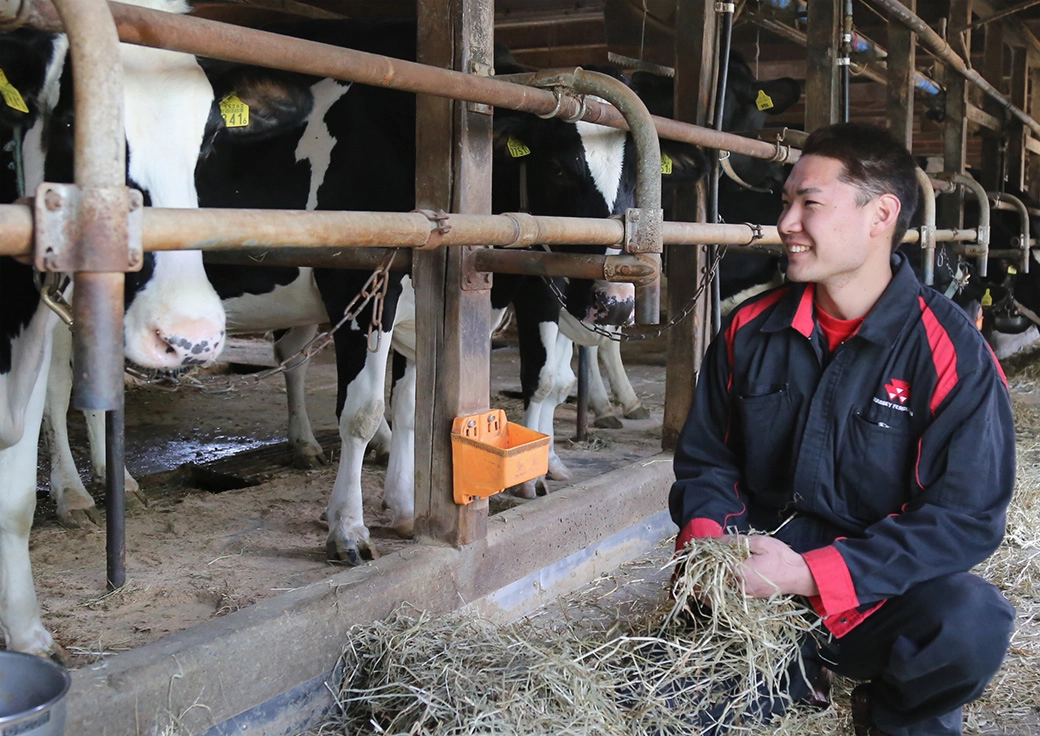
<point x="19" y="610"/>
<point x="562" y="382"/>
<point x="599" y="402"/>
<point x="307" y="453"/>
<point x="610" y="359"/>
<point x="361" y="412"/>
<point x="76" y="506"/>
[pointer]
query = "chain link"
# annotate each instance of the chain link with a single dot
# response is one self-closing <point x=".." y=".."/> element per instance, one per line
<point x="374" y="290"/>
<point x="618" y="336"/>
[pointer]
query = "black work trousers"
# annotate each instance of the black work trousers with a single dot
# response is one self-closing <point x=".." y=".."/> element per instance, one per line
<point x="926" y="653"/>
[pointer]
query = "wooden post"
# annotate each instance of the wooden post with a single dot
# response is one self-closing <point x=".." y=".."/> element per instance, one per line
<point x="901" y="59"/>
<point x="955" y="129"/>
<point x="1016" y="147"/>
<point x="823" y="37"/>
<point x="453" y="340"/>
<point x="992" y="170"/>
<point x="1033" y="161"/>
<point x="694" y="40"/>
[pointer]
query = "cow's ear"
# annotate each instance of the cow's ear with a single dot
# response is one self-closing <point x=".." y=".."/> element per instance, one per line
<point x="23" y="69"/>
<point x="256" y="103"/>
<point x="513" y="134"/>
<point x="775" y="96"/>
<point x="656" y="92"/>
<point x="682" y="162"/>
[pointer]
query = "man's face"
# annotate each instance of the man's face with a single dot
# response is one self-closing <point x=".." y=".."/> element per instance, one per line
<point x="824" y="231"/>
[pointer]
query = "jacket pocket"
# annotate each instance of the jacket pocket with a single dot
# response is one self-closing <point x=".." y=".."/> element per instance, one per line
<point x="767" y="424"/>
<point x="874" y="467"/>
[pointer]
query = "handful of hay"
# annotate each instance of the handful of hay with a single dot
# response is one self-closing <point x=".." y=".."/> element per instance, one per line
<point x="456" y="674"/>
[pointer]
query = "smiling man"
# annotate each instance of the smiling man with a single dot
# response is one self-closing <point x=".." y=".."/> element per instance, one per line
<point x="863" y="418"/>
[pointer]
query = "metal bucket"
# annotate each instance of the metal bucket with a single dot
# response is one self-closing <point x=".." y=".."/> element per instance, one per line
<point x="32" y="695"/>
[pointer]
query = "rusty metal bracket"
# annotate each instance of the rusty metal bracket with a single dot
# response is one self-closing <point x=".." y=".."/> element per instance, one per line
<point x="480" y="69"/>
<point x="643" y="230"/>
<point x="62" y="244"/>
<point x="473" y="279"/>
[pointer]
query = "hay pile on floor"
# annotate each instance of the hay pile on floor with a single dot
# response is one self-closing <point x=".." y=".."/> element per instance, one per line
<point x="456" y="674"/>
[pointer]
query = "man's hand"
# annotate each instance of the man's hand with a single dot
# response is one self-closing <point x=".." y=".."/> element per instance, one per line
<point x="775" y="568"/>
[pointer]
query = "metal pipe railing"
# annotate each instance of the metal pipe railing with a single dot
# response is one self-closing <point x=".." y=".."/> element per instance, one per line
<point x="940" y="48"/>
<point x="100" y="173"/>
<point x="1003" y="201"/>
<point x="984" y="218"/>
<point x="216" y="40"/>
<point x="927" y="228"/>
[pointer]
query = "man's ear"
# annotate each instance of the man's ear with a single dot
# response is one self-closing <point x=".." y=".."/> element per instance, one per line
<point x="886" y="211"/>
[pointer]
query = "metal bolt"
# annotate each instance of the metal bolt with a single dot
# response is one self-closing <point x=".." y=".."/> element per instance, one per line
<point x="53" y="200"/>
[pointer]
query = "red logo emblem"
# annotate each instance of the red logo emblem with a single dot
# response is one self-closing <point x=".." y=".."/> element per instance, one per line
<point x="898" y="390"/>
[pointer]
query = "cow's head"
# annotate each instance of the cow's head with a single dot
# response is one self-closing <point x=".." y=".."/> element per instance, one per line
<point x="556" y="168"/>
<point x="173" y="316"/>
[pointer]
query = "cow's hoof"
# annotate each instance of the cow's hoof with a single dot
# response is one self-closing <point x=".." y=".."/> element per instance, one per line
<point x="378" y="455"/>
<point x="135" y="500"/>
<point x="608" y="421"/>
<point x="350" y="553"/>
<point x="557" y="470"/>
<point x="524" y="490"/>
<point x="405" y="529"/>
<point x="88" y="518"/>
<point x="638" y="412"/>
<point x="58" y="654"/>
<point x="308" y="457"/>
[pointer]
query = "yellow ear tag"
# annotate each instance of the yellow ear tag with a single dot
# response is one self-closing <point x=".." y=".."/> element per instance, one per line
<point x="666" y="164"/>
<point x="517" y="149"/>
<point x="11" y="95"/>
<point x="987" y="299"/>
<point x="1012" y="270"/>
<point x="763" y="101"/>
<point x="234" y="111"/>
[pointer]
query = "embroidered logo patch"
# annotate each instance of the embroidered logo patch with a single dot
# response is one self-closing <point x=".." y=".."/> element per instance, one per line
<point x="898" y="390"/>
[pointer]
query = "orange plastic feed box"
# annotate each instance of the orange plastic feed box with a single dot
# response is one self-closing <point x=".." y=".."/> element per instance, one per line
<point x="490" y="454"/>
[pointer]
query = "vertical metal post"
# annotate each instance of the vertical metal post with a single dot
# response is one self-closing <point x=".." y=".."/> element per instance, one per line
<point x="582" y="429"/>
<point x="453" y="312"/>
<point x="115" y="498"/>
<point x="722" y="65"/>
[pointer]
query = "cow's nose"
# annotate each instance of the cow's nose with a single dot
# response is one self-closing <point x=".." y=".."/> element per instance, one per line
<point x="612" y="307"/>
<point x="188" y="343"/>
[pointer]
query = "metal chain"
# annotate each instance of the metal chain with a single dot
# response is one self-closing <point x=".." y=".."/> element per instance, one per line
<point x="618" y="336"/>
<point x="374" y="290"/>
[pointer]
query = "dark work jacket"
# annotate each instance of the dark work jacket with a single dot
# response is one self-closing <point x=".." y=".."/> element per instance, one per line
<point x="895" y="454"/>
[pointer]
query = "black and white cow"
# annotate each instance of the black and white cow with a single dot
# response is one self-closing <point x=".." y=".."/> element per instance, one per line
<point x="750" y="103"/>
<point x="173" y="316"/>
<point x="357" y="152"/>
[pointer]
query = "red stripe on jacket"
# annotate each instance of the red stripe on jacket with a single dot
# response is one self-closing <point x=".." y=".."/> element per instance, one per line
<point x="944" y="356"/>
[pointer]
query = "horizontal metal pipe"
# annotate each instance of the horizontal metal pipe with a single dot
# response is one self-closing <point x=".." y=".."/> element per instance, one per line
<point x="212" y="39"/>
<point x="628" y="268"/>
<point x="303" y="233"/>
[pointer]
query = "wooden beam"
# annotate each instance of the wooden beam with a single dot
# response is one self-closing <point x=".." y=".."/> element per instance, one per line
<point x="821" y="87"/>
<point x="900" y="89"/>
<point x="694" y="41"/>
<point x="955" y="127"/>
<point x="453" y="330"/>
<point x="1016" y="150"/>
<point x="992" y="141"/>
<point x="982" y="119"/>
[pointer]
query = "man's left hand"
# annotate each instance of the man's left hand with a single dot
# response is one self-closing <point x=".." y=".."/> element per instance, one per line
<point x="773" y="568"/>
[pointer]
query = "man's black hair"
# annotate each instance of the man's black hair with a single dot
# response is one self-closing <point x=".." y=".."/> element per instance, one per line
<point x="874" y="162"/>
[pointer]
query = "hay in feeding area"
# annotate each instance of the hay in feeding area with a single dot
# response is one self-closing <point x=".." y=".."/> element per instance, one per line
<point x="457" y="674"/>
